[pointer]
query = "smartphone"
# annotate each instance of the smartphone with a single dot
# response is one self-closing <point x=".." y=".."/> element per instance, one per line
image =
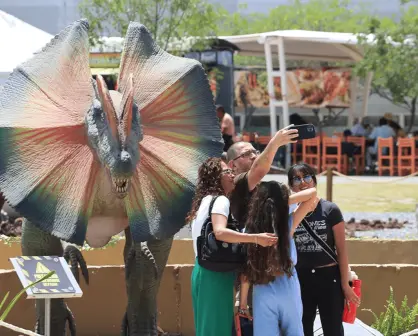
<point x="306" y="131"/>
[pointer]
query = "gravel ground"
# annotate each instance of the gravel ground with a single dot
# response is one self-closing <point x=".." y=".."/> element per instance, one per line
<point x="409" y="231"/>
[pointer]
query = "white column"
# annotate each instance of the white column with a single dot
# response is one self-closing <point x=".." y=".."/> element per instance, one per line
<point x="353" y="101"/>
<point x="366" y="93"/>
<point x="283" y="83"/>
<point x="402" y="120"/>
<point x="270" y="87"/>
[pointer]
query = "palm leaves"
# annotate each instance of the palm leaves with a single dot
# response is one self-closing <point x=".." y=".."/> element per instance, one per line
<point x="13" y="302"/>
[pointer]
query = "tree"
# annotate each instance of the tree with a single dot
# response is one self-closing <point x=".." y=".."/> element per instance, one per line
<point x="167" y="20"/>
<point x="317" y="15"/>
<point x="392" y="56"/>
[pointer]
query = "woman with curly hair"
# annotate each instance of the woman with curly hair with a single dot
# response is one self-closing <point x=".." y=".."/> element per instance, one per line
<point x="212" y="292"/>
<point x="277" y="304"/>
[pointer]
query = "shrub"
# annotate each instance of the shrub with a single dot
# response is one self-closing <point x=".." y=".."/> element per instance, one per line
<point x="394" y="322"/>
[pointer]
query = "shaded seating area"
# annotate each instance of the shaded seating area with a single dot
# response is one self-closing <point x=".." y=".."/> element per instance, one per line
<point x="347" y="154"/>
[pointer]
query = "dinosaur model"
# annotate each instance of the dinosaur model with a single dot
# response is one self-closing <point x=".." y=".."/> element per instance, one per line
<point x="82" y="163"/>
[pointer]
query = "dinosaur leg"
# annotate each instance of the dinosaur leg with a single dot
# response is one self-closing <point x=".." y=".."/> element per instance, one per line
<point x="36" y="242"/>
<point x="145" y="263"/>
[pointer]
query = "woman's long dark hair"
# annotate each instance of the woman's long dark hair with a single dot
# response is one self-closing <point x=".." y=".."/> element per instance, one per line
<point x="208" y="183"/>
<point x="269" y="212"/>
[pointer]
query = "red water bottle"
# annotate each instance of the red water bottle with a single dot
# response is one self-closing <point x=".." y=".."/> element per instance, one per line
<point x="349" y="315"/>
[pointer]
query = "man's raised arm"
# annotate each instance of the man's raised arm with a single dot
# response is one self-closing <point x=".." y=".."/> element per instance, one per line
<point x="262" y="163"/>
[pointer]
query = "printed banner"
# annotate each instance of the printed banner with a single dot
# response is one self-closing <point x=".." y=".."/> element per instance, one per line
<point x="309" y="88"/>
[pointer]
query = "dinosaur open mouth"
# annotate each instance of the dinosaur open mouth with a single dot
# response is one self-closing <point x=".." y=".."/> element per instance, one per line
<point x="120" y="185"/>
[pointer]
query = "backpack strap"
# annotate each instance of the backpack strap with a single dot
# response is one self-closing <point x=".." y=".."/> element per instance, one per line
<point x="211" y="205"/>
<point x="328" y="250"/>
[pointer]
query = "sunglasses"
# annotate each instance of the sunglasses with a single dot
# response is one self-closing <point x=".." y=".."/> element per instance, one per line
<point x="247" y="154"/>
<point x="297" y="180"/>
<point x="227" y="172"/>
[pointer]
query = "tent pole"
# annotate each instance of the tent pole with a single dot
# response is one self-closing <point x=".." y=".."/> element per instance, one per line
<point x="270" y="85"/>
<point x="352" y="112"/>
<point x="283" y="84"/>
<point x="366" y="93"/>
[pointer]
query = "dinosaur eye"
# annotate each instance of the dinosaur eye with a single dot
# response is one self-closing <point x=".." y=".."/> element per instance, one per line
<point x="97" y="108"/>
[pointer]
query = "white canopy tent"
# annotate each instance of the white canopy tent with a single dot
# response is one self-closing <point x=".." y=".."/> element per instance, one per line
<point x="301" y="45"/>
<point x="19" y="41"/>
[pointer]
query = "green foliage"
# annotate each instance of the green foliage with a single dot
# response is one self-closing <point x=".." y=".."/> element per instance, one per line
<point x="113" y="242"/>
<point x="9" y="240"/>
<point x="394" y="322"/>
<point x="392" y="57"/>
<point x="317" y="15"/>
<point x="18" y="295"/>
<point x="167" y="20"/>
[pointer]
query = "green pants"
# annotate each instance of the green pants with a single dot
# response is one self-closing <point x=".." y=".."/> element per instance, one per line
<point x="213" y="302"/>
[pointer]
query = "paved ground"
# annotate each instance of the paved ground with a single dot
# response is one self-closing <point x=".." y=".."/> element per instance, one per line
<point x="358" y="328"/>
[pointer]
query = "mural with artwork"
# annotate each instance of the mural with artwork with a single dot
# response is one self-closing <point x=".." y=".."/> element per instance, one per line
<point x="309" y="88"/>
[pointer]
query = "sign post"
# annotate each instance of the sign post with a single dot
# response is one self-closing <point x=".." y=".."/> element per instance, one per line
<point x="60" y="285"/>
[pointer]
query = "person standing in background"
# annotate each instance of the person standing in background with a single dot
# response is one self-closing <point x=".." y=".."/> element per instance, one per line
<point x="227" y="126"/>
<point x="358" y="129"/>
<point x="382" y="131"/>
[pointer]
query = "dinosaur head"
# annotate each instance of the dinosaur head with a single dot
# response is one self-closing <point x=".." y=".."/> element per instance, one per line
<point x="114" y="131"/>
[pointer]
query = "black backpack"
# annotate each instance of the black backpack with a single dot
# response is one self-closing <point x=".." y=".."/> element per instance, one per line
<point x="215" y="255"/>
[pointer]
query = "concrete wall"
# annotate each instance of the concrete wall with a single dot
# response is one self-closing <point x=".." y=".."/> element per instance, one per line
<point x="107" y="299"/>
<point x="359" y="251"/>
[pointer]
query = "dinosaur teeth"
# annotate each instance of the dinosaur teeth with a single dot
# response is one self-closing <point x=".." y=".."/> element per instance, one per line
<point x="120" y="184"/>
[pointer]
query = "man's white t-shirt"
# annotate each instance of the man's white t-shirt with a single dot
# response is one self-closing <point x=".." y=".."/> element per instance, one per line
<point x="221" y="207"/>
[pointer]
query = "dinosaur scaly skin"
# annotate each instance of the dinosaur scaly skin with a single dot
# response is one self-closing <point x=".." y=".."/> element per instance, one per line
<point x="82" y="163"/>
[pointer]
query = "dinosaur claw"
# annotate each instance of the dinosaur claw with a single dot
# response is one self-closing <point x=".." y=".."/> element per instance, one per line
<point x="125" y="326"/>
<point x="130" y="263"/>
<point x="148" y="255"/>
<point x="73" y="256"/>
<point x="71" y="322"/>
<point x="37" y="327"/>
<point x="60" y="328"/>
